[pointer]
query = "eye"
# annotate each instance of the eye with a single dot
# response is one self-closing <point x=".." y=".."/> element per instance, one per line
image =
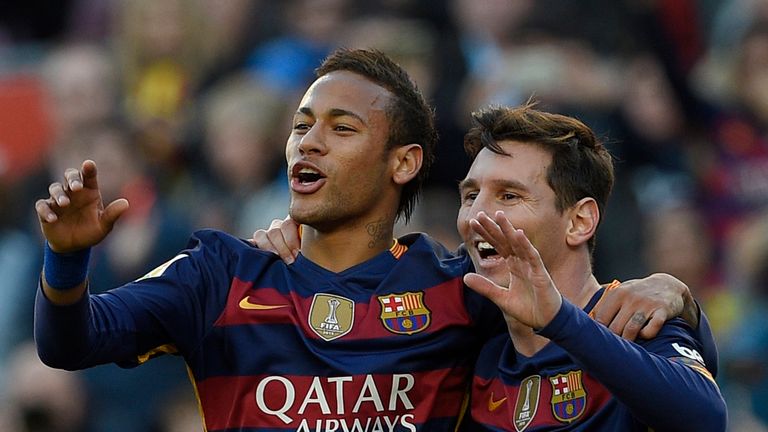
<point x="343" y="128"/>
<point x="509" y="196"/>
<point x="300" y="126"/>
<point x="468" y="197"/>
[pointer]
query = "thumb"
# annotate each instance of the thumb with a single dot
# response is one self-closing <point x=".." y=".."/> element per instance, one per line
<point x="113" y="211"/>
<point x="483" y="286"/>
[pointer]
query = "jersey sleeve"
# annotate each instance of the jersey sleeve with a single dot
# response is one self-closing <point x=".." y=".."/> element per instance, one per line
<point x="657" y="381"/>
<point x="704" y="335"/>
<point x="166" y="311"/>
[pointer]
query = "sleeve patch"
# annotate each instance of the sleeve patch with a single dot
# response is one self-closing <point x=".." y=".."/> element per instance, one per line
<point x="695" y="365"/>
<point x="162" y="268"/>
<point x="162" y="349"/>
<point x="688" y="352"/>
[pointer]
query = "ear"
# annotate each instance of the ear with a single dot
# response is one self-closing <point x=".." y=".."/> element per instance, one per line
<point x="406" y="161"/>
<point x="584" y="217"/>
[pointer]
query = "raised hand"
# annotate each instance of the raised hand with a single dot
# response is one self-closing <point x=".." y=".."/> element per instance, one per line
<point x="73" y="217"/>
<point x="282" y="238"/>
<point x="531" y="297"/>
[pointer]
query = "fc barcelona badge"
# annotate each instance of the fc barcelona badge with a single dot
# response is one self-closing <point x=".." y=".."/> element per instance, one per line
<point x="568" y="396"/>
<point x="404" y="313"/>
<point x="331" y="316"/>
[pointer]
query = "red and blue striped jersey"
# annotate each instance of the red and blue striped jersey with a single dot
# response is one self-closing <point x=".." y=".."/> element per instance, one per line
<point x="388" y="344"/>
<point x="589" y="379"/>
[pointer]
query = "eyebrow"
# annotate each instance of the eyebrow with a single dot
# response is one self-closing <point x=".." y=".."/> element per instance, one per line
<point x="467" y="183"/>
<point x="334" y="112"/>
<point x="499" y="183"/>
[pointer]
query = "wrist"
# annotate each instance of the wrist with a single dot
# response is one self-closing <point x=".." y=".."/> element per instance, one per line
<point x="551" y="312"/>
<point x="559" y="320"/>
<point x="63" y="271"/>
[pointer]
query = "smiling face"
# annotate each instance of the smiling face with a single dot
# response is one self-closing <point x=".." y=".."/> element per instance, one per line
<point x="338" y="162"/>
<point x="517" y="185"/>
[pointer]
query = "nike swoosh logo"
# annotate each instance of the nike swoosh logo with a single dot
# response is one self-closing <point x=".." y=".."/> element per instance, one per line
<point x="494" y="405"/>
<point x="247" y="305"/>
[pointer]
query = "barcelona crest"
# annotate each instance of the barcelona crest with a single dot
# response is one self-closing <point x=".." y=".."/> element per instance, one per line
<point x="569" y="399"/>
<point x="404" y="313"/>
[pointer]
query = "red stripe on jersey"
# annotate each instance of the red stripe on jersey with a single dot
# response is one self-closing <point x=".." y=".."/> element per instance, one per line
<point x="268" y="306"/>
<point x="286" y="401"/>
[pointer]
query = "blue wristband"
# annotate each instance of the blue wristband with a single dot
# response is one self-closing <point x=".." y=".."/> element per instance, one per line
<point x="65" y="270"/>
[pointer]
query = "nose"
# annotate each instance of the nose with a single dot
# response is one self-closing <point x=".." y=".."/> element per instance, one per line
<point x="312" y="141"/>
<point x="482" y="202"/>
<point x="469" y="212"/>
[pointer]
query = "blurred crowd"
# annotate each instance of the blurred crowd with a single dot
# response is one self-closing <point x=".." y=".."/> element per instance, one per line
<point x="185" y="106"/>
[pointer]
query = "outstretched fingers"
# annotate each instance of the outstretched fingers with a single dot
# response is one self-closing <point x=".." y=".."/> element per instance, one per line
<point x="518" y="243"/>
<point x="58" y="194"/>
<point x="73" y="180"/>
<point x="490" y="230"/>
<point x="87" y="177"/>
<point x="113" y="211"/>
<point x="509" y="242"/>
<point x="487" y="288"/>
<point x="61" y="193"/>
<point x="44" y="209"/>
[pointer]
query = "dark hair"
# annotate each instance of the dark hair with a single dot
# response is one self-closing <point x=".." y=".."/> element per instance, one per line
<point x="411" y="119"/>
<point x="581" y="165"/>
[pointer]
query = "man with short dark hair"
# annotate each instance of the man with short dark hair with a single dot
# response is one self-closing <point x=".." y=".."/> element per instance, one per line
<point x="531" y="204"/>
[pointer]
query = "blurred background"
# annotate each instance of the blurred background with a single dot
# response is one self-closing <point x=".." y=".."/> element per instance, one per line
<point x="185" y="105"/>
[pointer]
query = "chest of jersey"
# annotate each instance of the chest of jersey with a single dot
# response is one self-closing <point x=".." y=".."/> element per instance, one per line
<point x="304" y="351"/>
<point x="553" y="394"/>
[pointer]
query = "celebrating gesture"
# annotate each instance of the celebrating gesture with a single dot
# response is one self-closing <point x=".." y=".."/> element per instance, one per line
<point x="531" y="297"/>
<point x="73" y="217"/>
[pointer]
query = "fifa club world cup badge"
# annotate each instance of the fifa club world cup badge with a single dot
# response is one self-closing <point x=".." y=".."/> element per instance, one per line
<point x="527" y="402"/>
<point x="404" y="313"/>
<point x="568" y="396"/>
<point x="331" y="316"/>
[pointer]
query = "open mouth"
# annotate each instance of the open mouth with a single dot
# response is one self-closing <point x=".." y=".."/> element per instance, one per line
<point x="306" y="178"/>
<point x="486" y="251"/>
<point x="308" y="175"/>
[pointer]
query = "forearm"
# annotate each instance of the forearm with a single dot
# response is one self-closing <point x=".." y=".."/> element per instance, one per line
<point x="61" y="332"/>
<point x="62" y="309"/>
<point x="81" y="334"/>
<point x="653" y="387"/>
<point x="63" y="297"/>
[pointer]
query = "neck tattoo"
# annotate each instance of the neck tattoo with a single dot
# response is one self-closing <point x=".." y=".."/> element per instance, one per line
<point x="377" y="231"/>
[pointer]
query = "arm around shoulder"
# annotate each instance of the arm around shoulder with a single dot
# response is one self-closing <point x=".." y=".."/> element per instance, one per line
<point x="662" y="382"/>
